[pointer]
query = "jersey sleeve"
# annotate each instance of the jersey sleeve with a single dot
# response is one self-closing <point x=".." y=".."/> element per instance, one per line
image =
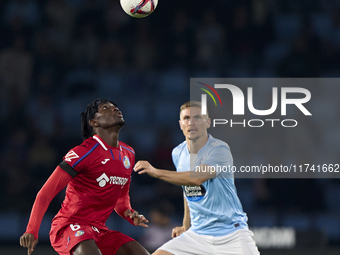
<point x="220" y="157"/>
<point x="123" y="202"/>
<point x="76" y="160"/>
<point x="133" y="160"/>
<point x="175" y="156"/>
<point x="55" y="183"/>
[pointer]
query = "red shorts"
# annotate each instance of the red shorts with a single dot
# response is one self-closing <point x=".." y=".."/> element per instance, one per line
<point x="65" y="239"/>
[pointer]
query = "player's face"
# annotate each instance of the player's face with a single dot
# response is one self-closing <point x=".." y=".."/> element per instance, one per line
<point x="108" y="115"/>
<point x="193" y="124"/>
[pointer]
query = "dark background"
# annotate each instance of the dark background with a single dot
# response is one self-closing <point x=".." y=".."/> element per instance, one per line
<point x="58" y="55"/>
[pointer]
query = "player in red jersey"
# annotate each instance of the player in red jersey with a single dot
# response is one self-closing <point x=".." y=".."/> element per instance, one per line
<point x="98" y="175"/>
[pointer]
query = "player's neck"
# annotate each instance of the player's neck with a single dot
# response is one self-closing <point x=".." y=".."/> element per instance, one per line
<point x="195" y="145"/>
<point x="111" y="138"/>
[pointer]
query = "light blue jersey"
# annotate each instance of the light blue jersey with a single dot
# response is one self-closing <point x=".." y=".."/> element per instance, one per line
<point x="215" y="208"/>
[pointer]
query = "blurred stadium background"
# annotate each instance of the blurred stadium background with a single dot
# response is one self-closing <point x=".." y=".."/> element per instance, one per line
<point x="58" y="55"/>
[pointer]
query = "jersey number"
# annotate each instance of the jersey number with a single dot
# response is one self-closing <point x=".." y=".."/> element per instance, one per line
<point x="74" y="227"/>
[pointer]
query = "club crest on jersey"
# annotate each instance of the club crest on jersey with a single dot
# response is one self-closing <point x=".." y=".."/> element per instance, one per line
<point x="126" y="162"/>
<point x="79" y="233"/>
<point x="71" y="155"/>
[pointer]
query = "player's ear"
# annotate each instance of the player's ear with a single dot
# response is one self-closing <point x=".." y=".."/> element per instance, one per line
<point x="208" y="120"/>
<point x="93" y="123"/>
<point x="180" y="124"/>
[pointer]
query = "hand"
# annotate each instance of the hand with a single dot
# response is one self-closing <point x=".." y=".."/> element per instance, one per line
<point x="145" y="167"/>
<point x="138" y="219"/>
<point x="177" y="231"/>
<point x="27" y="241"/>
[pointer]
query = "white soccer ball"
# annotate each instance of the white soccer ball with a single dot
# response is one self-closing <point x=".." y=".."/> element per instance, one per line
<point x="139" y="8"/>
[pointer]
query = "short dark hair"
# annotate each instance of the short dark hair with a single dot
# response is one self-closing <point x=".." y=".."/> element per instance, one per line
<point x="88" y="114"/>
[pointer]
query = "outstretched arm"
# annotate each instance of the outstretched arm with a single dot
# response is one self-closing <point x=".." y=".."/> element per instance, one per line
<point x="55" y="183"/>
<point x="188" y="178"/>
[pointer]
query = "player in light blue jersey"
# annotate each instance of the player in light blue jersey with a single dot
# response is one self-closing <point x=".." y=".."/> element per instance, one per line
<point x="214" y="221"/>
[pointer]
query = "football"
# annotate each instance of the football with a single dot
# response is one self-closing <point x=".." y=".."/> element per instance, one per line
<point x="138" y="8"/>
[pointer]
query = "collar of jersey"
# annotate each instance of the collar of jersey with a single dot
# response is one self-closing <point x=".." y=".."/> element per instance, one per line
<point x="206" y="144"/>
<point x="103" y="143"/>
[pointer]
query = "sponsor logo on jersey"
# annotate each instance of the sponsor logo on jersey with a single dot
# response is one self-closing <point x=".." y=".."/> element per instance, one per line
<point x="104" y="179"/>
<point x="105" y="160"/>
<point x="194" y="193"/>
<point x="71" y="155"/>
<point x="126" y="162"/>
<point x="79" y="233"/>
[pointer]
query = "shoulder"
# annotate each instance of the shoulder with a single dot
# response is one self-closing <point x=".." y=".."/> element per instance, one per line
<point x="88" y="143"/>
<point x="124" y="146"/>
<point x="217" y="148"/>
<point x="217" y="152"/>
<point x="85" y="147"/>
<point x="179" y="148"/>
<point x="217" y="144"/>
<point x="176" y="153"/>
<point x="81" y="155"/>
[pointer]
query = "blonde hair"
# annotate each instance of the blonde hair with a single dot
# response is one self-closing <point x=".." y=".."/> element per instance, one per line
<point x="192" y="104"/>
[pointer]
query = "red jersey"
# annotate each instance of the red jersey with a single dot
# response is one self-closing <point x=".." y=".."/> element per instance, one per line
<point x="101" y="175"/>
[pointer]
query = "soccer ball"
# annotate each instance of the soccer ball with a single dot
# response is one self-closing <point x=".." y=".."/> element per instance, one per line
<point x="139" y="8"/>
